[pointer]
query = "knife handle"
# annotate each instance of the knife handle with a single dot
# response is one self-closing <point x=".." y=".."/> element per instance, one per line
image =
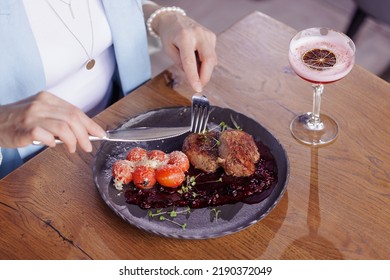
<point x="58" y="141"/>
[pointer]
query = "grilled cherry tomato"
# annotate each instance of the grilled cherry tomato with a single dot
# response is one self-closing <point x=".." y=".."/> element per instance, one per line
<point x="136" y="154"/>
<point x="157" y="155"/>
<point x="180" y="159"/>
<point x="170" y="175"/>
<point x="144" y="177"/>
<point x="122" y="171"/>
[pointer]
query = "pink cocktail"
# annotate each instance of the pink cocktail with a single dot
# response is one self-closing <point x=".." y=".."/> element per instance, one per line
<point x="319" y="56"/>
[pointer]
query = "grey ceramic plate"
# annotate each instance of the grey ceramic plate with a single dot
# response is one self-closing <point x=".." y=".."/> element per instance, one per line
<point x="201" y="223"/>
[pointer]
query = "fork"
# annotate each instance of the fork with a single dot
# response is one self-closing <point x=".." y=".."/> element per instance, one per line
<point x="200" y="111"/>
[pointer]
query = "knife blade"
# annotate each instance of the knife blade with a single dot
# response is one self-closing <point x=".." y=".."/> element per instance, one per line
<point x="137" y="134"/>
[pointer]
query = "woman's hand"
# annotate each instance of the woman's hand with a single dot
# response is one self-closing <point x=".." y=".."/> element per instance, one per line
<point x="43" y="117"/>
<point x="183" y="40"/>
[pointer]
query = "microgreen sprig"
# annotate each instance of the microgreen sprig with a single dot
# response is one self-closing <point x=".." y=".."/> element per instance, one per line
<point x="235" y="123"/>
<point x="223" y="126"/>
<point x="219" y="180"/>
<point x="183" y="226"/>
<point x="186" y="187"/>
<point x="217" y="143"/>
<point x="216" y="212"/>
<point x="170" y="215"/>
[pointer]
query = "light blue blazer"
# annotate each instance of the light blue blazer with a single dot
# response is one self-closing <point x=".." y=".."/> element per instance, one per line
<point x="21" y="68"/>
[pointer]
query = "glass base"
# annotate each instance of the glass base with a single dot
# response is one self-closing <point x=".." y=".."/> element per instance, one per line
<point x="314" y="134"/>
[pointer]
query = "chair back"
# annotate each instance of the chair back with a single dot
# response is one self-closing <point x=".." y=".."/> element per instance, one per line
<point x="378" y="9"/>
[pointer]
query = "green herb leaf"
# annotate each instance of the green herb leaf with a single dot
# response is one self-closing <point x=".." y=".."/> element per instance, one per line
<point x="216" y="213"/>
<point x="173" y="214"/>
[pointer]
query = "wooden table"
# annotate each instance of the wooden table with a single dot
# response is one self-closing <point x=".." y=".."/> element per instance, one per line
<point x="337" y="204"/>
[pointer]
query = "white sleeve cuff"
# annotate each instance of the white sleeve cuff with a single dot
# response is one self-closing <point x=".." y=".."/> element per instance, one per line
<point x="148" y="2"/>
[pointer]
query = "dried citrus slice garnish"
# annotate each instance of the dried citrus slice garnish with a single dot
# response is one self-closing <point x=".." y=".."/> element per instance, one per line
<point x="319" y="58"/>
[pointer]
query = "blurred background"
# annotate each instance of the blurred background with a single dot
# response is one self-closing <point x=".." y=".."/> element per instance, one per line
<point x="372" y="36"/>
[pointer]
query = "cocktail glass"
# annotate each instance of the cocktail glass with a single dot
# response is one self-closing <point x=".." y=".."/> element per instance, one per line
<point x="320" y="56"/>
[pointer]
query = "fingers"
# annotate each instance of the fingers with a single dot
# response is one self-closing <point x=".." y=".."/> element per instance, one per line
<point x="198" y="70"/>
<point x="208" y="59"/>
<point x="25" y="137"/>
<point x="197" y="63"/>
<point x="58" y="128"/>
<point x="71" y="130"/>
<point x="43" y="118"/>
<point x="193" y="48"/>
<point x="72" y="127"/>
<point x="173" y="52"/>
<point x="189" y="63"/>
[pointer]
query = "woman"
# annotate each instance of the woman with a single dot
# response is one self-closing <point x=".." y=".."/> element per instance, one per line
<point x="61" y="60"/>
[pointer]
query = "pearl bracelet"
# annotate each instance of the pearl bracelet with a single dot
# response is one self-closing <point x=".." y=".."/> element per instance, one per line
<point x="159" y="11"/>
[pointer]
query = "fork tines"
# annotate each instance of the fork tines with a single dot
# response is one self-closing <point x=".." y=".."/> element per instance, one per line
<point x="199" y="113"/>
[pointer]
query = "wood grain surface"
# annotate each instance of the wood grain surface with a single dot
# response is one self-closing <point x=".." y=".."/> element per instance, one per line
<point x="337" y="204"/>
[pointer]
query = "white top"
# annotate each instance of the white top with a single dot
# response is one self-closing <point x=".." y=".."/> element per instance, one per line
<point x="64" y="58"/>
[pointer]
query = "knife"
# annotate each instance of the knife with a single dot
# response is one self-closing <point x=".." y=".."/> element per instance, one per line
<point x="137" y="134"/>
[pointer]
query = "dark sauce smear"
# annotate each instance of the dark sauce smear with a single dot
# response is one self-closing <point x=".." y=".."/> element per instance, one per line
<point x="212" y="189"/>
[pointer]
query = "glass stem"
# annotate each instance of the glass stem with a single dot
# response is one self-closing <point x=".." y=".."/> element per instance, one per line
<point x="315" y="120"/>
